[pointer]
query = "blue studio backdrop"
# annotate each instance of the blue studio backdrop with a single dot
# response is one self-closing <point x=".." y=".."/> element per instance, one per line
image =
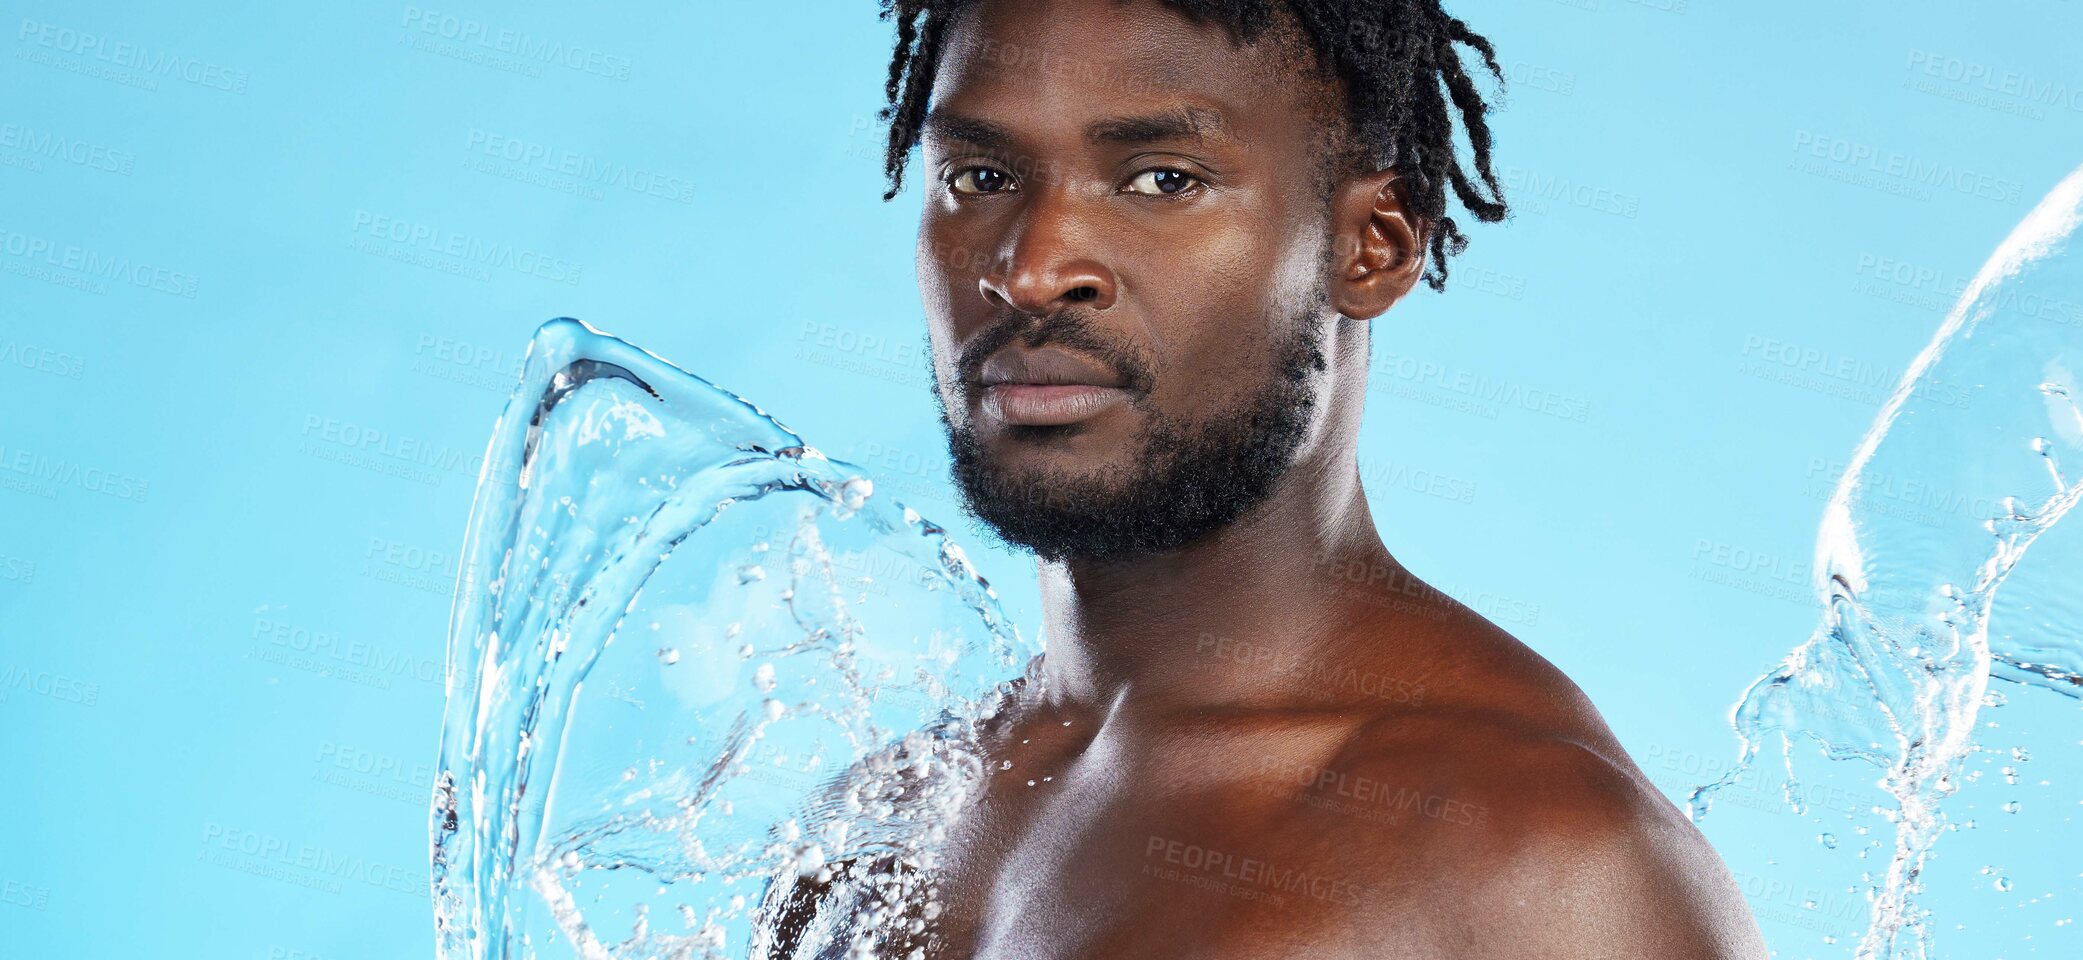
<point x="267" y="272"/>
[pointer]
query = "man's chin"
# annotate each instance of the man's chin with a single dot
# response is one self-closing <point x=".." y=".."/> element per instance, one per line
<point x="1026" y="489"/>
<point x="1053" y="513"/>
<point x="1078" y="457"/>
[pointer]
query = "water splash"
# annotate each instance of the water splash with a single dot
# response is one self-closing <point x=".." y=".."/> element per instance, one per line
<point x="1926" y="598"/>
<point x="690" y="655"/>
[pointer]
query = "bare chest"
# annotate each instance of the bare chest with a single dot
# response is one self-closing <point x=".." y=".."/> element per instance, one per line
<point x="1145" y="861"/>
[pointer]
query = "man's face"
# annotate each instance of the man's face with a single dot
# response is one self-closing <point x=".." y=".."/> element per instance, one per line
<point x="1123" y="261"/>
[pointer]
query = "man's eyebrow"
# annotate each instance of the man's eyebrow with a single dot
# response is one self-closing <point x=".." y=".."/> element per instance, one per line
<point x="941" y="125"/>
<point x="1184" y="123"/>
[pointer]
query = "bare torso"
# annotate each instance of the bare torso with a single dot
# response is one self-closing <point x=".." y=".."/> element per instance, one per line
<point x="1370" y="821"/>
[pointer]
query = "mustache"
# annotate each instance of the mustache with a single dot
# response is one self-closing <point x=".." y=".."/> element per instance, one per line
<point x="1069" y="328"/>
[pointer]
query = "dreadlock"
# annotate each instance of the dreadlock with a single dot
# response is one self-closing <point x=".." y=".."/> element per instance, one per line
<point x="1402" y="78"/>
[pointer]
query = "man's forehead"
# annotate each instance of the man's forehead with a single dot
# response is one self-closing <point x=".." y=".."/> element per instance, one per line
<point x="1107" y="49"/>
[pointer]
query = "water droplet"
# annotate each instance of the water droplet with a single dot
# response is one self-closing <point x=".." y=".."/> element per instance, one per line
<point x="751" y="572"/>
<point x="668" y="656"/>
<point x="1828" y="840"/>
<point x="2010" y="807"/>
<point x="852" y="494"/>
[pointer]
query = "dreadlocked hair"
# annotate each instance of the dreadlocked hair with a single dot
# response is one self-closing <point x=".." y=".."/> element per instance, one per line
<point x="1403" y="81"/>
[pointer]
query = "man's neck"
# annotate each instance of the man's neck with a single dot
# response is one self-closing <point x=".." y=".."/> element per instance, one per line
<point x="1233" y="620"/>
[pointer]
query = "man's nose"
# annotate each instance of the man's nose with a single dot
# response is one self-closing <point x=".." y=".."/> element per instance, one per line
<point x="1046" y="264"/>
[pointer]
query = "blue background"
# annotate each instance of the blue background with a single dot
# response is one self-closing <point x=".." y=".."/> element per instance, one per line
<point x="240" y="420"/>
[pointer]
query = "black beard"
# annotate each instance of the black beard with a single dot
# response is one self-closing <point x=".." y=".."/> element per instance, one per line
<point x="1185" y="481"/>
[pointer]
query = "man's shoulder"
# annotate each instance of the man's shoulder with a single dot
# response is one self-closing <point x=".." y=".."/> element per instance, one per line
<point x="1538" y="834"/>
<point x="1527" y="787"/>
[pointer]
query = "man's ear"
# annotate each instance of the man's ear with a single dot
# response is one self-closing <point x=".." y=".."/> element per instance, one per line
<point x="1379" y="246"/>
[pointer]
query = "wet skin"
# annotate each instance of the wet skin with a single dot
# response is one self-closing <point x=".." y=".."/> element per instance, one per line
<point x="1274" y="741"/>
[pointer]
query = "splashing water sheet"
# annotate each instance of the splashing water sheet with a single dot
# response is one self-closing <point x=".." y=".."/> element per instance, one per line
<point x="1928" y="729"/>
<point x="690" y="657"/>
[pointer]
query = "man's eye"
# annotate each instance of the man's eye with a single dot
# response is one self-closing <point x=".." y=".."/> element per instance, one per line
<point x="979" y="180"/>
<point x="1161" y="182"/>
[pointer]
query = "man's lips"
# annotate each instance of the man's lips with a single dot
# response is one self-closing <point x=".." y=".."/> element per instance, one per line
<point x="1048" y="404"/>
<point x="1047" y="386"/>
